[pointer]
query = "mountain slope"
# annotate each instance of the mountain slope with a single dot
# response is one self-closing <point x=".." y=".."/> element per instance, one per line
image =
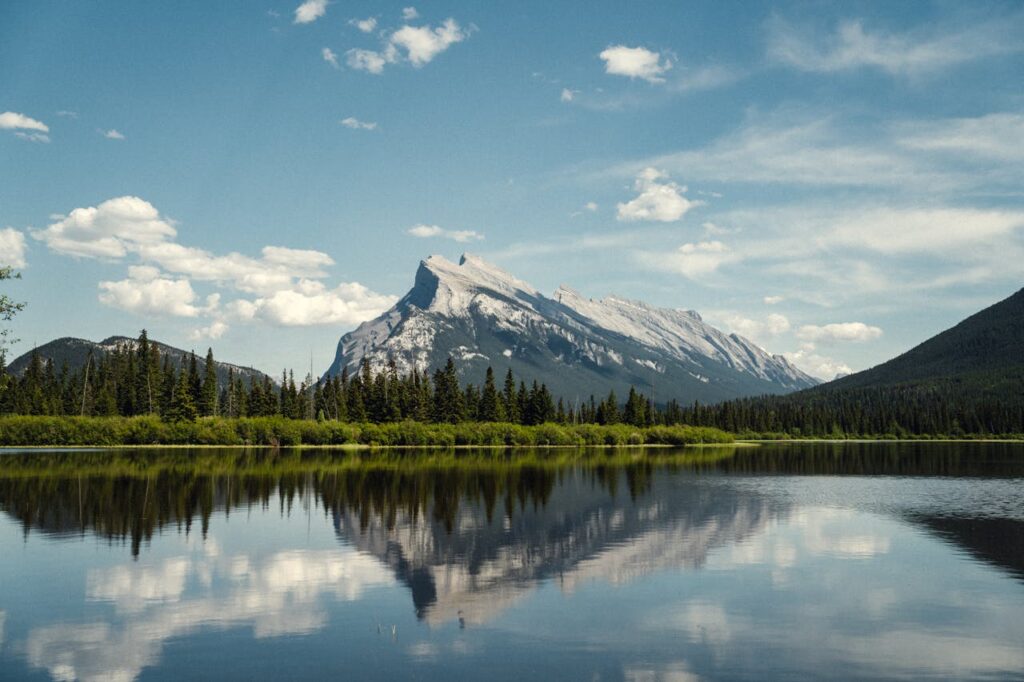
<point x="990" y="341"/>
<point x="480" y="315"/>
<point x="75" y="352"/>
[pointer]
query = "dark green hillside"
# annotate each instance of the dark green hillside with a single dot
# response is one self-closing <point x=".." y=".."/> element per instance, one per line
<point x="987" y="349"/>
<point x="967" y="380"/>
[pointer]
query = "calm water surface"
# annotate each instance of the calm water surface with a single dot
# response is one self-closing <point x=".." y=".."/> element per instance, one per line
<point x="855" y="561"/>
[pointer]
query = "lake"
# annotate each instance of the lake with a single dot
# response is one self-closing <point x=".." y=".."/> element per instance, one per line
<point x="789" y="561"/>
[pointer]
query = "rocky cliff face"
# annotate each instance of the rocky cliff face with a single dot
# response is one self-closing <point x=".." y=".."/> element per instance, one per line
<point x="480" y="315"/>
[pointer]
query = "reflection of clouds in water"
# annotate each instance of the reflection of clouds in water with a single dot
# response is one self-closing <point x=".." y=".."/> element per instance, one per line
<point x="132" y="587"/>
<point x="282" y="594"/>
<point x="917" y="652"/>
<point x="677" y="671"/>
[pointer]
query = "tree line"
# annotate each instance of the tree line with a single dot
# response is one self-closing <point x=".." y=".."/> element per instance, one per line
<point x="135" y="379"/>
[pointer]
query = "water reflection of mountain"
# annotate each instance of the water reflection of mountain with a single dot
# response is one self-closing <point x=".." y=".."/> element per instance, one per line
<point x="995" y="541"/>
<point x="477" y="564"/>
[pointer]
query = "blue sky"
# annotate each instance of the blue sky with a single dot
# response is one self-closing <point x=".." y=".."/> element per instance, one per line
<point x="835" y="181"/>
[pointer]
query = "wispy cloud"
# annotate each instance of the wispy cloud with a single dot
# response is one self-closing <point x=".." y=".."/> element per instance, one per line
<point x="919" y="51"/>
<point x="354" y="123"/>
<point x="24" y="127"/>
<point x="431" y="231"/>
<point x="330" y="57"/>
<point x="111" y="134"/>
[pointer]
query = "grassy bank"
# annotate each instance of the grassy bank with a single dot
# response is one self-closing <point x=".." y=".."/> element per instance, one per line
<point x="278" y="431"/>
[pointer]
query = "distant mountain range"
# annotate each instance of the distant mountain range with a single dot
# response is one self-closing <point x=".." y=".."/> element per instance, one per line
<point x="482" y="316"/>
<point x="75" y="352"/>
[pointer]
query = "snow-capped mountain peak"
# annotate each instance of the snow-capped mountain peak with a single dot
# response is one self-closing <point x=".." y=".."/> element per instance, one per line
<point x="482" y="315"/>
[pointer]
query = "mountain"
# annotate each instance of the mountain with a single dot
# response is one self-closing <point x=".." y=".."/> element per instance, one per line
<point x="986" y="348"/>
<point x="75" y="352"/>
<point x="481" y="315"/>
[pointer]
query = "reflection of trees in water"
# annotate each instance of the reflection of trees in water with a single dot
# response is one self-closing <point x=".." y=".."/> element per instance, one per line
<point x="129" y="496"/>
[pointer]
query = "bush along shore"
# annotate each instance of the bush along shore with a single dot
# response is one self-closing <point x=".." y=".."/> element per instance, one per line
<point x="16" y="431"/>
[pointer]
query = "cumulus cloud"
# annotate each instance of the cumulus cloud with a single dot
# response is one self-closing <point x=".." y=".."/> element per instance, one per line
<point x="635" y="62"/>
<point x="366" y="60"/>
<point x="427" y="231"/>
<point x="659" y="199"/>
<point x="310" y="11"/>
<point x="330" y="57"/>
<point x="567" y="95"/>
<point x="423" y="43"/>
<point x="409" y="13"/>
<point x="109" y="230"/>
<point x="311" y="303"/>
<point x="162" y="282"/>
<point x="417" y="45"/>
<point x="112" y="134"/>
<point x="366" y="25"/>
<point x="853" y="46"/>
<point x="354" y="123"/>
<point x="839" y="331"/>
<point x="12" y="248"/>
<point x="147" y="292"/>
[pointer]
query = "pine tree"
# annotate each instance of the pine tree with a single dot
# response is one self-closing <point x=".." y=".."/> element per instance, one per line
<point x="209" y="393"/>
<point x="182" y="407"/>
<point x="491" y="409"/>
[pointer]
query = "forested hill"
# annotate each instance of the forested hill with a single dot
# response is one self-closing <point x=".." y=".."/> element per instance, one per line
<point x="966" y="380"/>
<point x="987" y="346"/>
<point x="75" y="352"/>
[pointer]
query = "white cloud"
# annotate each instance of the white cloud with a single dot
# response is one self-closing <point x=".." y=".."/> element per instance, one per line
<point x="839" y="331"/>
<point x="590" y="206"/>
<point x="281" y="276"/>
<point x="366" y="60"/>
<point x="659" y="200"/>
<point x="311" y="303"/>
<point x="330" y="57"/>
<point x="909" y="53"/>
<point x="427" y="231"/>
<point x="12" y="248"/>
<point x="109" y="230"/>
<point x="32" y="137"/>
<point x="409" y="13"/>
<point x="635" y="62"/>
<point x="993" y="136"/>
<point x="773" y="300"/>
<point x="567" y="95"/>
<point x="423" y="43"/>
<point x="147" y="292"/>
<point x="820" y="366"/>
<point x="692" y="260"/>
<point x="366" y="25"/>
<point x="917" y="230"/>
<point x="417" y="45"/>
<point x="10" y="120"/>
<point x="757" y="330"/>
<point x="214" y="330"/>
<point x="310" y="11"/>
<point x="111" y="134"/>
<point x="354" y="123"/>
